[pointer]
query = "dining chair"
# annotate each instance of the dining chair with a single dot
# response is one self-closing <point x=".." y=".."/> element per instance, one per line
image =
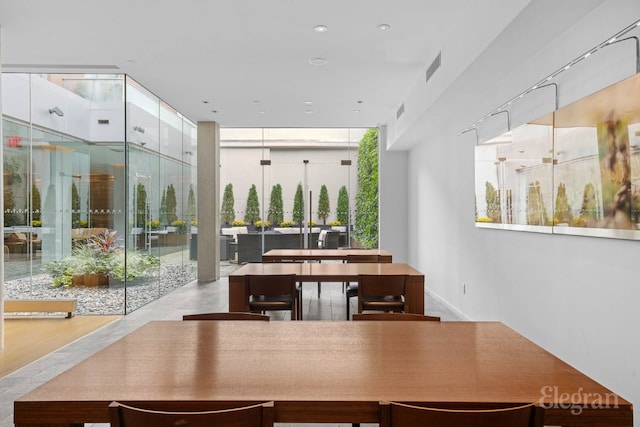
<point x="351" y="289"/>
<point x="381" y="293"/>
<point x="273" y="292"/>
<point x="238" y="315"/>
<point x="298" y="285"/>
<point x="260" y="415"/>
<point x="395" y="316"/>
<point x="394" y="414"/>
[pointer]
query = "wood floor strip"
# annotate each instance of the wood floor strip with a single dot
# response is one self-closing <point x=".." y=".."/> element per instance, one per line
<point x="27" y="339"/>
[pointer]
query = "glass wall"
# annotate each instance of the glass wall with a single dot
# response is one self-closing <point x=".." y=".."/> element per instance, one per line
<point x="97" y="191"/>
<point x="292" y="185"/>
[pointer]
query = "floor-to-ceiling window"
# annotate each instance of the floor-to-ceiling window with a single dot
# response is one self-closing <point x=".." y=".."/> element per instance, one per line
<point x="99" y="191"/>
<point x="305" y="181"/>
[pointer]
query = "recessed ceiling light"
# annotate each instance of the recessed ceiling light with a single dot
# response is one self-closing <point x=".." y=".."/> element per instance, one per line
<point x="356" y="111"/>
<point x="320" y="29"/>
<point x="214" y="111"/>
<point x="308" y="102"/>
<point x="256" y="102"/>
<point x="383" y="27"/>
<point x="309" y="111"/>
<point x="205" y="102"/>
<point x="261" y="112"/>
<point x="318" y="61"/>
<point x="360" y="102"/>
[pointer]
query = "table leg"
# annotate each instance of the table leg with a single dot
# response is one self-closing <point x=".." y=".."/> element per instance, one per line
<point x="414" y="295"/>
<point x="238" y="294"/>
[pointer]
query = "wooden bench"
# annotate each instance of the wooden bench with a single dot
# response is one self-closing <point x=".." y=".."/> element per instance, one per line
<point x="41" y="306"/>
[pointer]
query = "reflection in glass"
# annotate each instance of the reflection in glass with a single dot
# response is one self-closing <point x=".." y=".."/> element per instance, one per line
<point x="586" y="158"/>
<point x="70" y="177"/>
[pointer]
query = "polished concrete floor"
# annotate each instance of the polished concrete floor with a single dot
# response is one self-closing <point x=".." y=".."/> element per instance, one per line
<point x="192" y="298"/>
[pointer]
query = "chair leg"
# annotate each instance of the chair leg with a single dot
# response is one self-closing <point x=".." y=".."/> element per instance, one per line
<point x="299" y="304"/>
<point x="348" y="304"/>
<point x="319" y="286"/>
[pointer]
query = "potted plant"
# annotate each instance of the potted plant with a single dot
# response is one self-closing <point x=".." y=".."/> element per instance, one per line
<point x="94" y="261"/>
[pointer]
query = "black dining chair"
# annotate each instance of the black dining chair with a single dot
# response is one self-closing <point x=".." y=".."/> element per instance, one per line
<point x="394" y="414"/>
<point x="411" y="317"/>
<point x="351" y="289"/>
<point x="273" y="292"/>
<point x="260" y="415"/>
<point x="237" y="315"/>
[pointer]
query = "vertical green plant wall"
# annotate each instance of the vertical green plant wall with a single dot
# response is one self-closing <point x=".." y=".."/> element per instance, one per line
<point x="366" y="215"/>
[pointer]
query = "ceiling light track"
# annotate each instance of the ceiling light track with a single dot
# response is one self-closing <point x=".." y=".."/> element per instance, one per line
<point x="544" y="82"/>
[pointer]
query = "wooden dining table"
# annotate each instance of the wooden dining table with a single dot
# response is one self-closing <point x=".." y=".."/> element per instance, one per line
<point x="321" y="372"/>
<point x="325" y="272"/>
<point x="279" y="255"/>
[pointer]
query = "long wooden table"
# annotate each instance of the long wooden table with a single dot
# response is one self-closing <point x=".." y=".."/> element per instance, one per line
<point x="277" y="255"/>
<point x="314" y="272"/>
<point x="325" y="372"/>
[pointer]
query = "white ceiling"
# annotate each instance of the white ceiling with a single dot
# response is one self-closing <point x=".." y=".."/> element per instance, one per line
<point x="250" y="58"/>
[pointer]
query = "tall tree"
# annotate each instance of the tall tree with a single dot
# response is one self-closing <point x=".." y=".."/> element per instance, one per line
<point x="252" y="211"/>
<point x="275" y="215"/>
<point x="191" y="212"/>
<point x="366" y="223"/>
<point x="323" y="204"/>
<point x="343" y="206"/>
<point x="172" y="204"/>
<point x="563" y="210"/>
<point x="141" y="205"/>
<point x="163" y="208"/>
<point x="492" y="197"/>
<point x="227" y="212"/>
<point x="298" y="206"/>
<point x="36" y="203"/>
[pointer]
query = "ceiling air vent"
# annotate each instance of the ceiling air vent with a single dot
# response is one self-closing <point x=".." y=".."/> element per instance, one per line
<point x="434" y="66"/>
<point x="400" y="111"/>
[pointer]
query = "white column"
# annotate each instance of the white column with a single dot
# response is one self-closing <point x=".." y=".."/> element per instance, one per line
<point x="208" y="201"/>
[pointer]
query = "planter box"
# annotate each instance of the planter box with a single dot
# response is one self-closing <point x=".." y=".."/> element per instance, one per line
<point x="90" y="280"/>
<point x="172" y="239"/>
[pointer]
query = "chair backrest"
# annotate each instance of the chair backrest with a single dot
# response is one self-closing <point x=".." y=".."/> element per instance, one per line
<point x="332" y="241"/>
<point x="394" y="414"/>
<point x="395" y="316"/>
<point x="272" y="284"/>
<point x="373" y="285"/>
<point x="260" y="415"/>
<point x="226" y="316"/>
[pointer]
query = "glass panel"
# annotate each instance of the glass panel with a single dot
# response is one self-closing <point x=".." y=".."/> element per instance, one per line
<point x="585" y="158"/>
<point x="597" y="142"/>
<point x="288" y="188"/>
<point x="70" y="232"/>
<point x="514" y="178"/>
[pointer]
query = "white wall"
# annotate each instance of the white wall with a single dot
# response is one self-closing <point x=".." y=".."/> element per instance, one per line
<point x="393" y="200"/>
<point x="577" y="297"/>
